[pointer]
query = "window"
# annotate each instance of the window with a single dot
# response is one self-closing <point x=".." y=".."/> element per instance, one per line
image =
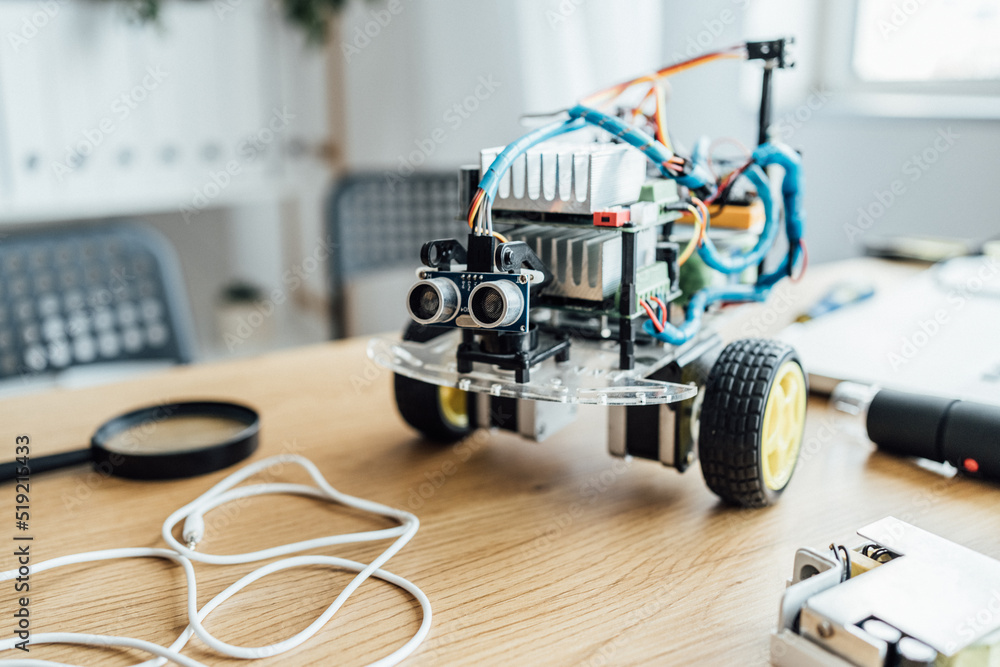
<point x="927" y="40"/>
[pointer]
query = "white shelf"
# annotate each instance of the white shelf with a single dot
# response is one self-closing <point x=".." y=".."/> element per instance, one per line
<point x="155" y="110"/>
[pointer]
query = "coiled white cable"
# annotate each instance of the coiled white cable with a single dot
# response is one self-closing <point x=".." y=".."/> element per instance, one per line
<point x="194" y="526"/>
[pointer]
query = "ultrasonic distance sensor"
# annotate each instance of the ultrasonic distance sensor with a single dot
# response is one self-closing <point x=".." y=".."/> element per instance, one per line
<point x="497" y="303"/>
<point x="433" y="301"/>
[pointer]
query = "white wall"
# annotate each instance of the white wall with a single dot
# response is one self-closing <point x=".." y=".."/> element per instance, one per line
<point x="404" y="84"/>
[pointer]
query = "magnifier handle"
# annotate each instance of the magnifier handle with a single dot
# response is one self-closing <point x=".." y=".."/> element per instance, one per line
<point x="8" y="471"/>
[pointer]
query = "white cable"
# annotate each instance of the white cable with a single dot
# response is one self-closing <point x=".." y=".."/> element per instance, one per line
<point x="194" y="526"/>
<point x="101" y="641"/>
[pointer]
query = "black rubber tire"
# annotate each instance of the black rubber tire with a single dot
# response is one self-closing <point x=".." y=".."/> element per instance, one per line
<point x="419" y="403"/>
<point x="732" y="418"/>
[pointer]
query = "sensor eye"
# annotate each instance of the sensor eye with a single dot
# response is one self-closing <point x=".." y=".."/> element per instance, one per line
<point x="433" y="301"/>
<point x="425" y="302"/>
<point x="496" y="303"/>
<point x="488" y="306"/>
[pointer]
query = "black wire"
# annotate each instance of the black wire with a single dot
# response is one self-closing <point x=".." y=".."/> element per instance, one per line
<point x="874" y="551"/>
<point x="722" y="198"/>
<point x="847" y="563"/>
<point x="878" y="553"/>
<point x="550" y="114"/>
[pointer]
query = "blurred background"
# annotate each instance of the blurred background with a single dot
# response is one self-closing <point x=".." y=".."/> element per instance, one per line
<point x="198" y="179"/>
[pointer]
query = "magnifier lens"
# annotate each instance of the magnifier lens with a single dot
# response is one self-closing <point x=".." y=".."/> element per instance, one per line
<point x="174" y="433"/>
<point x="167" y="441"/>
<point x="176" y="440"/>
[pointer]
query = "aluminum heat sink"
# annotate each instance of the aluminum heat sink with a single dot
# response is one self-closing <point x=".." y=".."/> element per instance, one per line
<point x="585" y="264"/>
<point x="561" y="177"/>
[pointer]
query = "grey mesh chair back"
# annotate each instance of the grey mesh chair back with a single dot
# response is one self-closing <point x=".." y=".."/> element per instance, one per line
<point x="380" y="220"/>
<point x="89" y="295"/>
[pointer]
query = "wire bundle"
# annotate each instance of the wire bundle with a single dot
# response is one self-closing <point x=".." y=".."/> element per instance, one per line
<point x="193" y="514"/>
<point x="479" y="218"/>
<point x="695" y="174"/>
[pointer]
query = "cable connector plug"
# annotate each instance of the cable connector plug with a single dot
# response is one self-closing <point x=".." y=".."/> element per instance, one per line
<point x="774" y="51"/>
<point x="194" y="530"/>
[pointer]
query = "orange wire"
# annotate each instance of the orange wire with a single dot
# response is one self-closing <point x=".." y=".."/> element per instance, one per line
<point x="696" y="238"/>
<point x="661" y="116"/>
<point x="705" y="219"/>
<point x="477" y="201"/>
<point x="602" y="96"/>
<point x="637" y="111"/>
<point x="474" y="207"/>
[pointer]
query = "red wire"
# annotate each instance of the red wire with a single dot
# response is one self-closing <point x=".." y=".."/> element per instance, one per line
<point x="663" y="311"/>
<point x="725" y="182"/>
<point x="652" y="316"/>
<point x="473" y="206"/>
<point x="805" y="261"/>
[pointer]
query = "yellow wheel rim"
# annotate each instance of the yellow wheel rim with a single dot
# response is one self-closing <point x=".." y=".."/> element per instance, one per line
<point x="784" y="420"/>
<point x="453" y="406"/>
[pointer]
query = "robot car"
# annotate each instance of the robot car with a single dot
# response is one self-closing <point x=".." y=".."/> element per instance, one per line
<point x="597" y="261"/>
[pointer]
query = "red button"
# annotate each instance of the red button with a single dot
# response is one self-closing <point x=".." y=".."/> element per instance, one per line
<point x="972" y="465"/>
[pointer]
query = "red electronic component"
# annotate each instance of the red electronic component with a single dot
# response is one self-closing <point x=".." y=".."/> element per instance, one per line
<point x="612" y="218"/>
<point x="971" y="465"/>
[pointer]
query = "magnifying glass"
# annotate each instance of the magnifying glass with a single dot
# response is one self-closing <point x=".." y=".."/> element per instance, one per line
<point x="168" y="441"/>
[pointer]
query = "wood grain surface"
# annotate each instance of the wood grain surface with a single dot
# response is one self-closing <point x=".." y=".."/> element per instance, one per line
<point x="551" y="553"/>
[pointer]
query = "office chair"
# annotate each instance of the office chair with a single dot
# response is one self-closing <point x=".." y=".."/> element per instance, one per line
<point x="378" y="222"/>
<point x="82" y="296"/>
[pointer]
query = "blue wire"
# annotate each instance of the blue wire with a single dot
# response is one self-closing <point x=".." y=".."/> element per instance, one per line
<point x="656" y="152"/>
<point x="702" y="299"/>
<point x="491" y="179"/>
<point x="791" y="193"/>
<point x="791" y="189"/>
<point x="738" y="262"/>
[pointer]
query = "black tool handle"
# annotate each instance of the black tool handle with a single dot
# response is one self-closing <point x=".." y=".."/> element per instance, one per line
<point x="8" y="471"/>
<point x="966" y="435"/>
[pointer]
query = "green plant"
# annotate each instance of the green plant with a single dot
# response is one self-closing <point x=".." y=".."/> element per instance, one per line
<point x="312" y="16"/>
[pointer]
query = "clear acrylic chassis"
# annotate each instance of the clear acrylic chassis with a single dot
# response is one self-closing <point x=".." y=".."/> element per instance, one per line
<point x="591" y="376"/>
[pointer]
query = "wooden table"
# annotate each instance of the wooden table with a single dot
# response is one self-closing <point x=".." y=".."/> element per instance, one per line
<point x="550" y="553"/>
